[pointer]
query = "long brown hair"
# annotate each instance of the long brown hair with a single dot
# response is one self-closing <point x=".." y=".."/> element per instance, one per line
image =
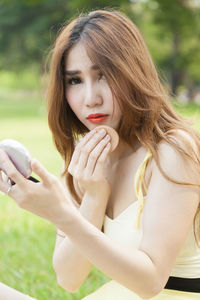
<point x="115" y="44"/>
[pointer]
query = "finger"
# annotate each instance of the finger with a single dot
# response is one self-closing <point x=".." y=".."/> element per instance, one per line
<point x="40" y="170"/>
<point x="3" y="176"/>
<point x="74" y="160"/>
<point x="98" y="170"/>
<point x="79" y="147"/>
<point x="88" y="149"/>
<point x="2" y="182"/>
<point x="86" y="138"/>
<point x="96" y="154"/>
<point x="6" y="186"/>
<point x="83" y="149"/>
<point x="10" y="169"/>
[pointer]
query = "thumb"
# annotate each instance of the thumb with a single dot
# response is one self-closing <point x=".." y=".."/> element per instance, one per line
<point x="40" y="170"/>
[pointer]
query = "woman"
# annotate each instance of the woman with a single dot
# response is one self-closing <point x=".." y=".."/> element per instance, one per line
<point x="132" y="212"/>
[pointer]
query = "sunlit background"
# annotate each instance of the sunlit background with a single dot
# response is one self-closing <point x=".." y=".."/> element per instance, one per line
<point x="171" y="29"/>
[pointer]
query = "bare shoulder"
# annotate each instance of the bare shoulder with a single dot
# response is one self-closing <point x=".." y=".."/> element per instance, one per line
<point x="182" y="139"/>
<point x="174" y="163"/>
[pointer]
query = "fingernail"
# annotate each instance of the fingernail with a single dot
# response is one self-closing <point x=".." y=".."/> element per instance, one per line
<point x="101" y="132"/>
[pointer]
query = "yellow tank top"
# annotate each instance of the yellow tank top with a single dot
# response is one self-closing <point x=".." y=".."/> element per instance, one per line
<point x="126" y="229"/>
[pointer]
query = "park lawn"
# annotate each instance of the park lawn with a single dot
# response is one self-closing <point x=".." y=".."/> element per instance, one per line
<point x="27" y="241"/>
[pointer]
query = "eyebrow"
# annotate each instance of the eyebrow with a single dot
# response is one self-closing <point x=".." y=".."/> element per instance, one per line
<point x="74" y="72"/>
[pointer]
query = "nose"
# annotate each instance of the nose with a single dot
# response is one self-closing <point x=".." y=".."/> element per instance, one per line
<point x="92" y="95"/>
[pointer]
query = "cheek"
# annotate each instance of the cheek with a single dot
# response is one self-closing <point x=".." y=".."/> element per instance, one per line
<point x="107" y="93"/>
<point x="117" y="108"/>
<point x="117" y="111"/>
<point x="71" y="98"/>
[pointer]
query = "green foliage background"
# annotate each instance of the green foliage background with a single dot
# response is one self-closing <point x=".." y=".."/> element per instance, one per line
<point x="171" y="29"/>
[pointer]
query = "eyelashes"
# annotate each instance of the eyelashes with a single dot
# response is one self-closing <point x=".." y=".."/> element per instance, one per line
<point x="77" y="80"/>
<point x="74" y="80"/>
<point x="101" y="76"/>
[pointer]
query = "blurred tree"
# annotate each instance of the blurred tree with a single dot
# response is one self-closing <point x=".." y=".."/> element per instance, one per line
<point x="171" y="29"/>
<point x="179" y="25"/>
<point x="27" y="28"/>
<point x="87" y="5"/>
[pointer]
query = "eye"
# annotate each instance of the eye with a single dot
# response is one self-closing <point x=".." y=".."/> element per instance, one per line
<point x="101" y="76"/>
<point x="74" y="80"/>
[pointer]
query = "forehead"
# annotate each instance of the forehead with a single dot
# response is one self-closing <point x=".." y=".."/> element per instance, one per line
<point x="77" y="58"/>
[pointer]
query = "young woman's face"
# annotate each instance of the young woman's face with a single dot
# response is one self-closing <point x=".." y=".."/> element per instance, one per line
<point x="87" y="91"/>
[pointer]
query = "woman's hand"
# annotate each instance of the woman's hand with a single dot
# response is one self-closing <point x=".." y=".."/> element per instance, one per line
<point x="46" y="199"/>
<point x="87" y="163"/>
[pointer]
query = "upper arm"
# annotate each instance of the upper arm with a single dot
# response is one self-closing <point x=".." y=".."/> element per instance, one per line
<point x="169" y="210"/>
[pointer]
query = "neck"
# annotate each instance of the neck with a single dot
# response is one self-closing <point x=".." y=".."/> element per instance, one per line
<point x="123" y="150"/>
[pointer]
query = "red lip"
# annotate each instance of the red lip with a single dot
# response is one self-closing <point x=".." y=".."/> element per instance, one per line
<point x="97" y="118"/>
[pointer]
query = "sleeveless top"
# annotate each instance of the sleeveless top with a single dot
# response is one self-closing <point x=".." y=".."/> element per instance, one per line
<point x="126" y="229"/>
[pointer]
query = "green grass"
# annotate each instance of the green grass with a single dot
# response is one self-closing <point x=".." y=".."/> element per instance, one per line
<point x="28" y="79"/>
<point x="191" y="111"/>
<point x="27" y="241"/>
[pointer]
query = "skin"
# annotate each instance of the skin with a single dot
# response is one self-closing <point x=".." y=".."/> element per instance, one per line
<point x="87" y="91"/>
<point x="8" y="293"/>
<point x="168" y="213"/>
<point x="114" y="138"/>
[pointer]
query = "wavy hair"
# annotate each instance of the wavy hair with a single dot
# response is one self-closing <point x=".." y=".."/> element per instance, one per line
<point x="115" y="45"/>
